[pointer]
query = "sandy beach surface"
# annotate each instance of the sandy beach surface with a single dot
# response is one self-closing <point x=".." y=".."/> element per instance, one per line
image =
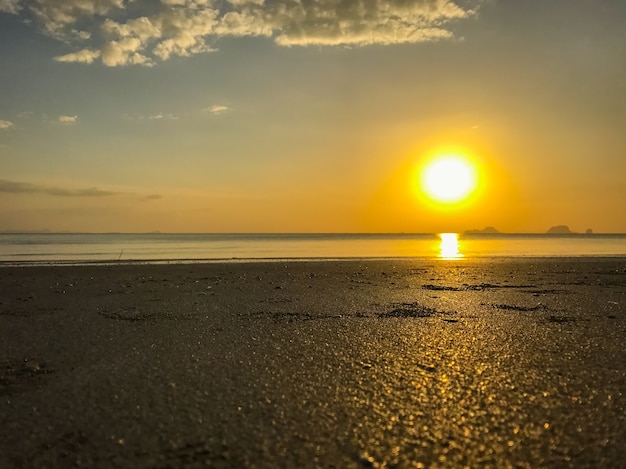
<point x="396" y="363"/>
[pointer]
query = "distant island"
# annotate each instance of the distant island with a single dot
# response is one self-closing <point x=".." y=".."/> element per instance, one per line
<point x="555" y="230"/>
<point x="485" y="230"/>
<point x="564" y="229"/>
<point x="560" y="229"/>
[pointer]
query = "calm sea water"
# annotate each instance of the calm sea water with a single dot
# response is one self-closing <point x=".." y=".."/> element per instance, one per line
<point x="79" y="248"/>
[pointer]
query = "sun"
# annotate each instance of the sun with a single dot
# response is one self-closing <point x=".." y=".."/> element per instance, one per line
<point x="448" y="179"/>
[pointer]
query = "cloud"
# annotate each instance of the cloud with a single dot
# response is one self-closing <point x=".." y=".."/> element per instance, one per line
<point x="161" y="116"/>
<point x="124" y="52"/>
<point x="13" y="187"/>
<point x="119" y="33"/>
<point x="216" y="109"/>
<point x="337" y="22"/>
<point x="58" y="16"/>
<point x="5" y="124"/>
<point x="10" y="6"/>
<point x="85" y="56"/>
<point x="27" y="188"/>
<point x="68" y="119"/>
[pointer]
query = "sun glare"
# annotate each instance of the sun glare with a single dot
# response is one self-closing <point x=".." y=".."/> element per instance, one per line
<point x="449" y="247"/>
<point x="448" y="179"/>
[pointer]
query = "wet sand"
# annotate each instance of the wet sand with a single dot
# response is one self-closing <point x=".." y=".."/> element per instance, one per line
<point x="399" y="363"/>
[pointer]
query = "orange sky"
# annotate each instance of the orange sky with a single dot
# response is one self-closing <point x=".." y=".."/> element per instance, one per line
<point x="186" y="117"/>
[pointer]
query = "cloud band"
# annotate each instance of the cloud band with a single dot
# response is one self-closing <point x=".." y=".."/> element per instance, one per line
<point x="14" y="187"/>
<point x="187" y="27"/>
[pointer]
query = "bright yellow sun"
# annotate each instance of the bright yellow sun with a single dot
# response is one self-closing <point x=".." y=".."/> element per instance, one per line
<point x="449" y="179"/>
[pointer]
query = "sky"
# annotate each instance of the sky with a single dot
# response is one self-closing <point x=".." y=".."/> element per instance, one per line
<point x="310" y="116"/>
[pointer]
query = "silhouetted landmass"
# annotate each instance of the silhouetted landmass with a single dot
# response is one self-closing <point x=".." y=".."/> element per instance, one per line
<point x="588" y="231"/>
<point x="559" y="229"/>
<point x="485" y="230"/>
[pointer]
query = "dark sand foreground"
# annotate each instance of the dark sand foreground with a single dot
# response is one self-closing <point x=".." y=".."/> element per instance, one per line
<point x="518" y="363"/>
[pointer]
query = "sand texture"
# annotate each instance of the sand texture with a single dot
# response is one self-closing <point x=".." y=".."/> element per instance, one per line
<point x="355" y="364"/>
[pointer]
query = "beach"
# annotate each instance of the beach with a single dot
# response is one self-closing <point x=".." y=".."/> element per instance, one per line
<point x="357" y="363"/>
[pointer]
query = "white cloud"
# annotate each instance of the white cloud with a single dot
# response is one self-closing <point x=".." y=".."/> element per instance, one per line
<point x="5" y="124"/>
<point x="334" y="22"/>
<point x="143" y="28"/>
<point x="216" y="109"/>
<point x="57" y="15"/>
<point x="152" y="117"/>
<point x="161" y="116"/>
<point x="68" y="119"/>
<point x="120" y="35"/>
<point x="124" y="52"/>
<point x="83" y="35"/>
<point x="10" y="6"/>
<point x="185" y="31"/>
<point x="85" y="56"/>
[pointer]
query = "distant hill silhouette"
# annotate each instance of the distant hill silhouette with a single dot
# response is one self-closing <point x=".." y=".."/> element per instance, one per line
<point x="485" y="230"/>
<point x="559" y="229"/>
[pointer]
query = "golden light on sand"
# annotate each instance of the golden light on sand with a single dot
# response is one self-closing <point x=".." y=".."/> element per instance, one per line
<point x="449" y="248"/>
<point x="448" y="179"/>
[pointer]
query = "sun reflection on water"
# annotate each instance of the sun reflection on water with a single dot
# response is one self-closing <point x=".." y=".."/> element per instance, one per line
<point x="449" y="247"/>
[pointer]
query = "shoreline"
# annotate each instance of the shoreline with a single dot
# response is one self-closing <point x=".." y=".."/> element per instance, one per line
<point x="87" y="249"/>
<point x="261" y="260"/>
<point x="348" y="363"/>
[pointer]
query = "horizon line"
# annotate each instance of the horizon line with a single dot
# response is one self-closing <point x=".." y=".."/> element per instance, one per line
<point x="158" y="232"/>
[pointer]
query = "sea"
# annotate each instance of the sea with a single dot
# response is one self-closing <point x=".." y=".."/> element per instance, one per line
<point x="82" y="248"/>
